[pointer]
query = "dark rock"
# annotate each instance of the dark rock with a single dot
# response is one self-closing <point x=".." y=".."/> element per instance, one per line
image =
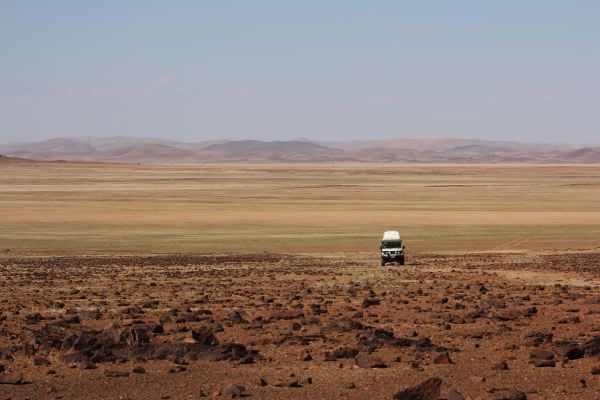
<point x="541" y="358"/>
<point x="41" y="361"/>
<point x="205" y="336"/>
<point x="6" y="354"/>
<point x="11" y="378"/>
<point x="454" y="395"/>
<point x="342" y="352"/>
<point x="570" y="351"/>
<point x="75" y="357"/>
<point x="116" y="374"/>
<point x="33" y="318"/>
<point x="370" y="302"/>
<point x="570" y="320"/>
<point x="592" y="346"/>
<point x="536" y="362"/>
<point x="138" y="370"/>
<point x="87" y="364"/>
<point x="535" y="339"/>
<point x="596" y="370"/>
<point x="508" y="394"/>
<point x="541" y="354"/>
<point x="474" y="314"/>
<point x="287" y="383"/>
<point x="158" y="329"/>
<point x="236" y="317"/>
<point x="501" y="366"/>
<point x="442" y="358"/>
<point x="426" y="390"/>
<point x="369" y="361"/>
<point x="291" y="314"/>
<point x="232" y="391"/>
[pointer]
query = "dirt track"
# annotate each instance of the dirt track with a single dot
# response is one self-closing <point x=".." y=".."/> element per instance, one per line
<point x="300" y="326"/>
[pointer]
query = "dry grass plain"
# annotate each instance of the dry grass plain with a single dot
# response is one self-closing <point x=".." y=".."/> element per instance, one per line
<point x="131" y="209"/>
<point x="184" y="282"/>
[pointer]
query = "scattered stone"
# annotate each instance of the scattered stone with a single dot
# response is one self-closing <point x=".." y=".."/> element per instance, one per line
<point x="369" y="361"/>
<point x="536" y="339"/>
<point x="39" y="361"/>
<point x="138" y="370"/>
<point x="508" y="394"/>
<point x="570" y="320"/>
<point x="596" y="370"/>
<point x="307" y="381"/>
<point x="454" y="395"/>
<point x="541" y="358"/>
<point x="287" y="383"/>
<point x="11" y="378"/>
<point x="177" y="369"/>
<point x="86" y="364"/>
<point x="292" y="314"/>
<point x="236" y="317"/>
<point x="442" y="358"/>
<point x="232" y="391"/>
<point x="342" y="352"/>
<point x="569" y="351"/>
<point x="205" y="336"/>
<point x="426" y="390"/>
<point x="501" y="366"/>
<point x="592" y="346"/>
<point x="370" y="302"/>
<point x="116" y="374"/>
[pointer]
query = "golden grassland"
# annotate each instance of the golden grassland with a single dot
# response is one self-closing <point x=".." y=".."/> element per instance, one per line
<point x="63" y="208"/>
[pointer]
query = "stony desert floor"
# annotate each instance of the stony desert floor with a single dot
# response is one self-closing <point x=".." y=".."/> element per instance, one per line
<point x="489" y="325"/>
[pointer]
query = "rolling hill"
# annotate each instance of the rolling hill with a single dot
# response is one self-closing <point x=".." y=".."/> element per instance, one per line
<point x="125" y="149"/>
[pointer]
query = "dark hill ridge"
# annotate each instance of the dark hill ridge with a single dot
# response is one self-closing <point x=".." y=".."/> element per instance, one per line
<point x="147" y="150"/>
<point x="253" y="146"/>
<point x="586" y="154"/>
<point x="58" y="145"/>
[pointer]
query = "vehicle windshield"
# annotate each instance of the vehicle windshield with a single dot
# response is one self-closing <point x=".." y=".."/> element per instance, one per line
<point x="391" y="245"/>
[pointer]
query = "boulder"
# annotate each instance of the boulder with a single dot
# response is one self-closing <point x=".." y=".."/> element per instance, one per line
<point x="426" y="390"/>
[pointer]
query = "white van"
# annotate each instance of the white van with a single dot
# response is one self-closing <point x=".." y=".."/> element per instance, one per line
<point x="391" y="248"/>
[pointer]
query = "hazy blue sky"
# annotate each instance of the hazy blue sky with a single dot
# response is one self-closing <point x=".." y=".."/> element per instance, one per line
<point x="195" y="70"/>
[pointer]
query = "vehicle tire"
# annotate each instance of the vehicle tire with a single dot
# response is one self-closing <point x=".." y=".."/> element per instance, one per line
<point x="382" y="262"/>
<point x="401" y="261"/>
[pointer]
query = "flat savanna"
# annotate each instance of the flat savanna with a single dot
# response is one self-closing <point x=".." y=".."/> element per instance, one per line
<point x="224" y="281"/>
<point x="121" y="209"/>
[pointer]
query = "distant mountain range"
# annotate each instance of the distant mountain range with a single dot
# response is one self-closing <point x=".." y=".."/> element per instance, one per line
<point x="144" y="150"/>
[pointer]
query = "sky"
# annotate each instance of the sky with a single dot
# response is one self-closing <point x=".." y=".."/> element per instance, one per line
<point x="279" y="70"/>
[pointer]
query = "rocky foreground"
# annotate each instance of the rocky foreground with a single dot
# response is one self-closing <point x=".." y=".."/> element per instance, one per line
<point x="480" y="326"/>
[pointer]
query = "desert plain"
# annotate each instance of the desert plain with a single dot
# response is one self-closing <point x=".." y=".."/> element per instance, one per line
<point x="123" y="281"/>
